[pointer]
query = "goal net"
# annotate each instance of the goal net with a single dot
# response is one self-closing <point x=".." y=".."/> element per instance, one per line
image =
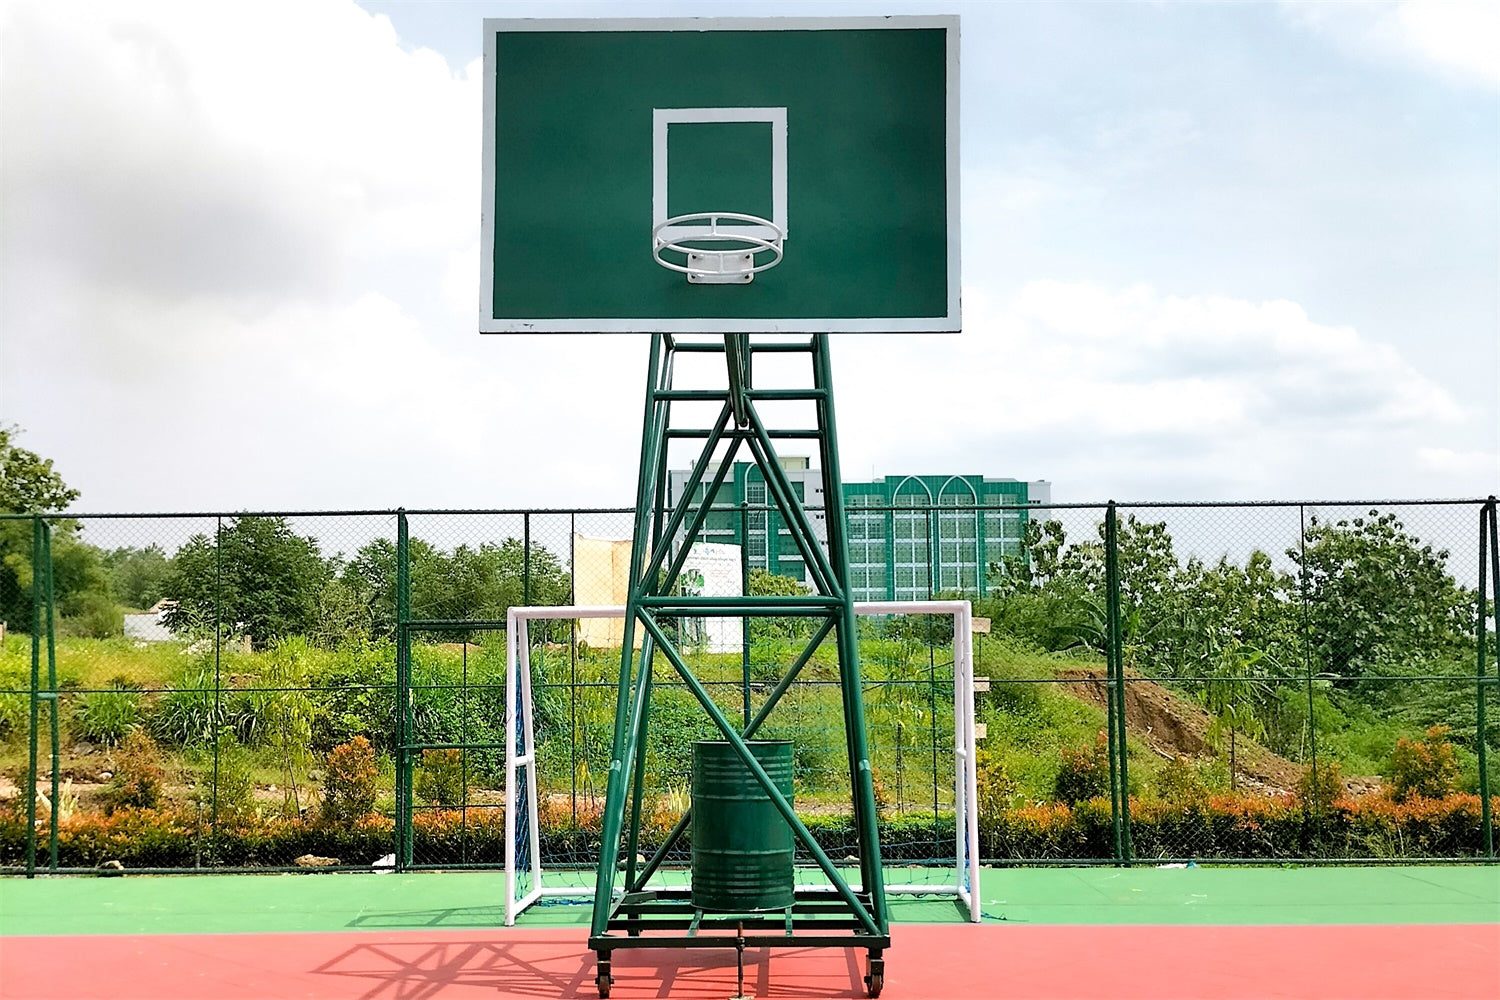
<point x="562" y="672"/>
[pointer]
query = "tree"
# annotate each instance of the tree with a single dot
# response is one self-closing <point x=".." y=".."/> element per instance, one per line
<point x="1033" y="597"/>
<point x="1234" y="693"/>
<point x="28" y="483"/>
<point x="1055" y="593"/>
<point x="764" y="583"/>
<point x="481" y="582"/>
<point x="263" y="581"/>
<point x="288" y="713"/>
<point x="1379" y="597"/>
<point x="138" y="577"/>
<point x="1255" y="604"/>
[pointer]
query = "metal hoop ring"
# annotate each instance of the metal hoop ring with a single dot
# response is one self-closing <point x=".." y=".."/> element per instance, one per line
<point x="759" y="244"/>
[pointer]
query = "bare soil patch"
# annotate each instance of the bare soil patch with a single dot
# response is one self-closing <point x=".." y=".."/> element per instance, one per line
<point x="1176" y="727"/>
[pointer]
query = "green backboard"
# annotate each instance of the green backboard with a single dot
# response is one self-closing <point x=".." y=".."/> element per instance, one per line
<point x="720" y="175"/>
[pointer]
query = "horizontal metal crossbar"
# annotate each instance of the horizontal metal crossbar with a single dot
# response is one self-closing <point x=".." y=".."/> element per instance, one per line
<point x="719" y="395"/>
<point x="604" y="945"/>
<point x="454" y="625"/>
<point x="720" y="607"/>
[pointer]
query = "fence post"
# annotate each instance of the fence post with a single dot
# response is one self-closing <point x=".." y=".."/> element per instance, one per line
<point x="1119" y="774"/>
<point x="35" y="705"/>
<point x="1312" y="805"/>
<point x="572" y="665"/>
<point x="526" y="559"/>
<point x="403" y="695"/>
<point x="50" y="611"/>
<point x="218" y="713"/>
<point x="1489" y="552"/>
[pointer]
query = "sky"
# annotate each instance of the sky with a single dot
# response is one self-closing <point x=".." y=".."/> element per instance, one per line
<point x="1210" y="252"/>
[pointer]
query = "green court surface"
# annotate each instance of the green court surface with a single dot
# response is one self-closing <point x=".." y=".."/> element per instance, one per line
<point x="227" y="904"/>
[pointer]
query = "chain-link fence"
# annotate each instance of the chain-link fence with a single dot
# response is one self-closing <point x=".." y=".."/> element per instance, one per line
<point x="1173" y="682"/>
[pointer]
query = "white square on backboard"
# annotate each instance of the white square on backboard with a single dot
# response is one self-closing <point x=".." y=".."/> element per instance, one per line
<point x="663" y="117"/>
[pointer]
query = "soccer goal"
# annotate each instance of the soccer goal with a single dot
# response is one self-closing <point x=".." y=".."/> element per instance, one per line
<point x="917" y="660"/>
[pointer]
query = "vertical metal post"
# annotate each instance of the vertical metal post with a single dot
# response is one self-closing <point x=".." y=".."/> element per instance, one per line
<point x="1116" y="660"/>
<point x="1494" y="522"/>
<point x="403" y="694"/>
<point x="572" y="664"/>
<point x="1110" y="697"/>
<point x="50" y="612"/>
<point x="745" y="621"/>
<point x="218" y="713"/>
<point x="638" y="789"/>
<point x="526" y="559"/>
<point x="836" y="523"/>
<point x="1311" y="806"/>
<point x="658" y="378"/>
<point x="36" y="705"/>
<point x="1489" y="547"/>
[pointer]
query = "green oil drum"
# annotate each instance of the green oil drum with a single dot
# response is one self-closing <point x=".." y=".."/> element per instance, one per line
<point x="742" y="848"/>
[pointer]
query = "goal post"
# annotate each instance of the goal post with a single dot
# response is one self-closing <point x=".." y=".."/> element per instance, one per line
<point x="531" y="876"/>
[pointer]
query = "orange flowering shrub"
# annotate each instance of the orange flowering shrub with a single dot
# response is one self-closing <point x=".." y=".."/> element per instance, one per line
<point x="349" y="785"/>
<point x="1084" y="773"/>
<point x="1221" y="826"/>
<point x="1242" y="826"/>
<point x="1425" y="768"/>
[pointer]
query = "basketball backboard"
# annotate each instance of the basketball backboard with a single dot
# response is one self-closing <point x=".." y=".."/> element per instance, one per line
<point x="722" y="175"/>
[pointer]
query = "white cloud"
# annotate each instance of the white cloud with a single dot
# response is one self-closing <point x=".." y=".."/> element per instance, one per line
<point x="1130" y="388"/>
<point x="253" y="151"/>
<point x="226" y="231"/>
<point x="1482" y="466"/>
<point x="1459" y="38"/>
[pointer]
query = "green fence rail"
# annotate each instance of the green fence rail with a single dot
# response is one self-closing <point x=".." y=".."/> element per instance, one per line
<point x="1250" y="683"/>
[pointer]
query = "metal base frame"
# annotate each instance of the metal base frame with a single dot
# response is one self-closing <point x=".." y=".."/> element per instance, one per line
<point x="632" y="915"/>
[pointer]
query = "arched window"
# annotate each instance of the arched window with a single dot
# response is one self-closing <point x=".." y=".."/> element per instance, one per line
<point x="957" y="540"/>
<point x="911" y="542"/>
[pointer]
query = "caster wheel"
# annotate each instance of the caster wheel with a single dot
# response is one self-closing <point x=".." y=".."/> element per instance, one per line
<point x="604" y="982"/>
<point x="875" y="981"/>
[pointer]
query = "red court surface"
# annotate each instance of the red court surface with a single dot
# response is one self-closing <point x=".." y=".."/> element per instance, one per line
<point x="927" y="962"/>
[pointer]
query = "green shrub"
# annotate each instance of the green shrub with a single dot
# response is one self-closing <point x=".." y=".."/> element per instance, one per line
<point x="93" y="616"/>
<point x="995" y="787"/>
<point x="440" y="777"/>
<point x="1084" y="774"/>
<point x="445" y="711"/>
<point x="1426" y="768"/>
<point x="15" y="712"/>
<point x="350" y="784"/>
<point x="106" y="716"/>
<point x="1319" y="788"/>
<point x="138" y="774"/>
<point x="224" y="786"/>
<point x="189" y="712"/>
<point x="193" y="710"/>
<point x="356" y="697"/>
<point x="1184" y="780"/>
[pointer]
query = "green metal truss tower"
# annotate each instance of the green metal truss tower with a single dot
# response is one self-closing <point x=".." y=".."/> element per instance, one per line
<point x="628" y="912"/>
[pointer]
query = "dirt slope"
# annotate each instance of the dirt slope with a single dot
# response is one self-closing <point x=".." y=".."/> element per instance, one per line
<point x="1175" y="727"/>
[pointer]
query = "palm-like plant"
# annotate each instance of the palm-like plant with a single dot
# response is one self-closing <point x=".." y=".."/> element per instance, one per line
<point x="1235" y="689"/>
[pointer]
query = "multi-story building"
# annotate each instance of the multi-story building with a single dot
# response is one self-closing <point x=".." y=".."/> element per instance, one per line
<point x="909" y="536"/>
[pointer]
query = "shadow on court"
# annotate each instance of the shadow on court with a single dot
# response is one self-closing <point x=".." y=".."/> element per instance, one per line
<point x="555" y="966"/>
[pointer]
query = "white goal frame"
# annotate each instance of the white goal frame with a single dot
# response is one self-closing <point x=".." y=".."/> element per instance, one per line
<point x="520" y="750"/>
